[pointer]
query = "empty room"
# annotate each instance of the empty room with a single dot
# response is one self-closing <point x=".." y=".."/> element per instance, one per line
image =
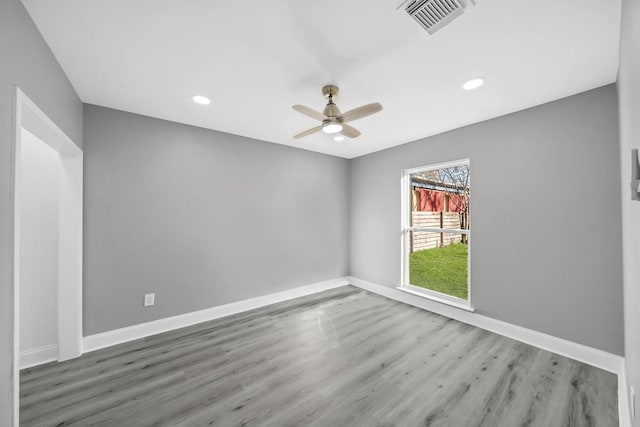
<point x="297" y="213"/>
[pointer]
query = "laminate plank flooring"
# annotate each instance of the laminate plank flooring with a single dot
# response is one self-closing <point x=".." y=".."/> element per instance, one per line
<point x="344" y="357"/>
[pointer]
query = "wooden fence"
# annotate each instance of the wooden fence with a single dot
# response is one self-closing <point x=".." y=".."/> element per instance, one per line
<point x="421" y="240"/>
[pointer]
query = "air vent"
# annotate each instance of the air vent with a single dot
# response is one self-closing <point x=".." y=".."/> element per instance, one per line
<point x="433" y="15"/>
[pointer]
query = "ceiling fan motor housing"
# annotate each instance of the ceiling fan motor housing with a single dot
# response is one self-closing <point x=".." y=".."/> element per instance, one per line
<point x="331" y="110"/>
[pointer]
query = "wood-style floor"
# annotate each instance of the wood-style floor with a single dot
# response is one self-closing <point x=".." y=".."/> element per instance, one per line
<point x="343" y="357"/>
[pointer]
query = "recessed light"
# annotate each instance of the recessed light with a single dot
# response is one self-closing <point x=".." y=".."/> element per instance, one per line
<point x="473" y="83"/>
<point x="338" y="138"/>
<point x="202" y="100"/>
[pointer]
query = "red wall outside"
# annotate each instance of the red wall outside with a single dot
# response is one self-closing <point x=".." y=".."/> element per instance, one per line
<point x="434" y="201"/>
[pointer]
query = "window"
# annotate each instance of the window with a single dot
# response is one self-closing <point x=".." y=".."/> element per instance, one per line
<point x="436" y="232"/>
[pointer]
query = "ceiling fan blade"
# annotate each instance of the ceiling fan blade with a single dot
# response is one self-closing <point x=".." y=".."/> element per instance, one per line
<point x="308" y="132"/>
<point x="349" y="131"/>
<point x="360" y="112"/>
<point x="309" y="112"/>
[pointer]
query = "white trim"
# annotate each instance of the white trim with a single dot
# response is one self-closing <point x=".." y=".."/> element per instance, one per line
<point x="38" y="356"/>
<point x="406" y="228"/>
<point x="437" y="296"/>
<point x="624" y="405"/>
<point x="69" y="303"/>
<point x="438" y="230"/>
<point x="70" y="256"/>
<point x="406" y="201"/>
<point x="16" y="131"/>
<point x="27" y="115"/>
<point x="592" y="356"/>
<point x="38" y="123"/>
<point x="437" y="166"/>
<point x="130" y="333"/>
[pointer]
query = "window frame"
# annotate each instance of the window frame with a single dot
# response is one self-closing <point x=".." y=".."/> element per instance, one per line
<point x="406" y="228"/>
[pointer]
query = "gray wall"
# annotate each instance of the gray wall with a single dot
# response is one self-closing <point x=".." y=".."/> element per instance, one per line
<point x="25" y="61"/>
<point x="545" y="216"/>
<point x="6" y="235"/>
<point x="629" y="96"/>
<point x="28" y="63"/>
<point x="201" y="218"/>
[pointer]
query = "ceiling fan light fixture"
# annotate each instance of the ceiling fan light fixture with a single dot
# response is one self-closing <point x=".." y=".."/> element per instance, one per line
<point x="332" y="127"/>
<point x="474" y="83"/>
<point x="332" y="120"/>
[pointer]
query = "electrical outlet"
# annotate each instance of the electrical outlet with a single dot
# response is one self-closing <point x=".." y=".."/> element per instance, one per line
<point x="632" y="403"/>
<point x="149" y="300"/>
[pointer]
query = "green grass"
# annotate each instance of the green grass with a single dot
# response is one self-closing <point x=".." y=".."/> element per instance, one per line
<point x="441" y="269"/>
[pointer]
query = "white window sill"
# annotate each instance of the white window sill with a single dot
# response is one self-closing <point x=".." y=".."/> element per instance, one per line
<point x="434" y="296"/>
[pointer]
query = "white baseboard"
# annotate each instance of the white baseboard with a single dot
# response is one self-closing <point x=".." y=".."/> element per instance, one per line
<point x="598" y="358"/>
<point x="592" y="356"/>
<point x="119" y="336"/>
<point x="38" y="356"/>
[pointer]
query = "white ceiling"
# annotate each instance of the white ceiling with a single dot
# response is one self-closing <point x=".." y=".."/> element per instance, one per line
<point x="256" y="58"/>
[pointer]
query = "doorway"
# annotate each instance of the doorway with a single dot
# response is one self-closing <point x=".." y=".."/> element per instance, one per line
<point x="47" y="271"/>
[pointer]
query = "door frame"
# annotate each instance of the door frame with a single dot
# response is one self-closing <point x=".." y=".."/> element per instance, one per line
<point x="29" y="116"/>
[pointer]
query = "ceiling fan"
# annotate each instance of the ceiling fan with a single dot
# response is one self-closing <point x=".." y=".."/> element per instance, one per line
<point x="333" y="121"/>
